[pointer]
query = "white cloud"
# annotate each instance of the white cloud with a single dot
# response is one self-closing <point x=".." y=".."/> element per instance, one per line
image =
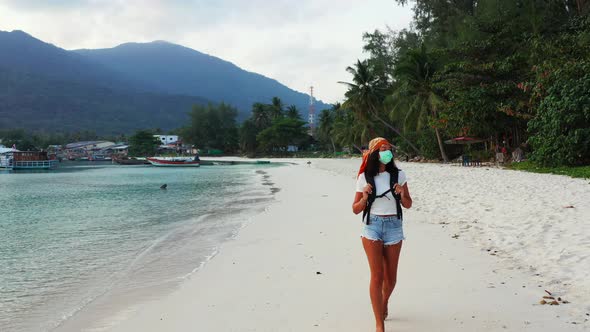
<point x="299" y="43"/>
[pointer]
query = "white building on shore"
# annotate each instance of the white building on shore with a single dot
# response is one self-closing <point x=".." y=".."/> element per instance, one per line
<point x="167" y="139"/>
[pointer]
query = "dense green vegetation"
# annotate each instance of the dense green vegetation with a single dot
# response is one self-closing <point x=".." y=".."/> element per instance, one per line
<point x="143" y="143"/>
<point x="34" y="141"/>
<point x="271" y="129"/>
<point x="212" y="127"/>
<point x="514" y="73"/>
<point x="39" y="104"/>
<point x="573" y="171"/>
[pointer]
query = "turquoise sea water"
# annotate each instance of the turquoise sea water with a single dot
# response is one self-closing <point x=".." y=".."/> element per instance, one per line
<point x="82" y="238"/>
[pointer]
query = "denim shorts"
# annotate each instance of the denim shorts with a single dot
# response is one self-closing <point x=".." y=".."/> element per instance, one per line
<point x="381" y="228"/>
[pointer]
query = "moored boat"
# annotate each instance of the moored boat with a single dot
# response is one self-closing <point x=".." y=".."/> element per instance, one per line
<point x="174" y="162"/>
<point x="131" y="161"/>
<point x="211" y="162"/>
<point x="28" y="160"/>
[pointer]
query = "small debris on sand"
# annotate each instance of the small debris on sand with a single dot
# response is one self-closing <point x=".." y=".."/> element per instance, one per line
<point x="550" y="299"/>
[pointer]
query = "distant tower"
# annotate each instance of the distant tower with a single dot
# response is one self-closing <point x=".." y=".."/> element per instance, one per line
<point x="311" y="112"/>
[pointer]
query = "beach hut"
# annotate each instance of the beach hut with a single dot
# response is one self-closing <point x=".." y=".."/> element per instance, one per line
<point x="466" y="159"/>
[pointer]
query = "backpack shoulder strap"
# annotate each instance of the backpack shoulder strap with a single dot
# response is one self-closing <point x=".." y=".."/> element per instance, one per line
<point x="393" y="178"/>
<point x="367" y="211"/>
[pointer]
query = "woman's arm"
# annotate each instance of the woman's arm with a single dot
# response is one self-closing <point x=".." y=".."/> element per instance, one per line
<point x="404" y="191"/>
<point x="360" y="199"/>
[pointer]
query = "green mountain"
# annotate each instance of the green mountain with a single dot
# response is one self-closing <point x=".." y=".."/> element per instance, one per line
<point x="46" y="88"/>
<point x="118" y="90"/>
<point x="177" y="69"/>
<point x="39" y="103"/>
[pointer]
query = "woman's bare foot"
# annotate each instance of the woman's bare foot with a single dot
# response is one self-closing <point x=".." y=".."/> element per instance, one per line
<point x="380" y="328"/>
<point x="385" y="311"/>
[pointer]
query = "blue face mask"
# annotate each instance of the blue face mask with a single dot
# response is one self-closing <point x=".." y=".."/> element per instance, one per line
<point x="385" y="156"/>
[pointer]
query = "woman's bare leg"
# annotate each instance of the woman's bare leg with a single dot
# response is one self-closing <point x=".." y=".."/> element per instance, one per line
<point x="390" y="262"/>
<point x="374" y="251"/>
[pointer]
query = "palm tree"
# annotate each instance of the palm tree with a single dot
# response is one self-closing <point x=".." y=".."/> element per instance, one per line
<point x="261" y="116"/>
<point x="276" y="108"/>
<point x="349" y="130"/>
<point x="293" y="112"/>
<point x="414" y="96"/>
<point x="326" y="126"/>
<point x="366" y="95"/>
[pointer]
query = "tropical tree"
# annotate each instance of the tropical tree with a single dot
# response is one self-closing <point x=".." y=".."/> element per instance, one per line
<point x="276" y="108"/>
<point x="213" y="126"/>
<point x="350" y="131"/>
<point x="326" y="127"/>
<point x="282" y="133"/>
<point x="415" y="96"/>
<point x="365" y="96"/>
<point x="261" y="115"/>
<point x="272" y="128"/>
<point x="143" y="143"/>
<point x="293" y="112"/>
<point x="248" y="132"/>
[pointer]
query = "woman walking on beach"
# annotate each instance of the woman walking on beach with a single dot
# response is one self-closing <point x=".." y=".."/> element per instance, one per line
<point x="381" y="191"/>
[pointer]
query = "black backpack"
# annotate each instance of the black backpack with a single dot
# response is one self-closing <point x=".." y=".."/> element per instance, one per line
<point x="393" y="178"/>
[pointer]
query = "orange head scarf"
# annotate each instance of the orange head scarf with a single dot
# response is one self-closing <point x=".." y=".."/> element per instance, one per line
<point x="374" y="145"/>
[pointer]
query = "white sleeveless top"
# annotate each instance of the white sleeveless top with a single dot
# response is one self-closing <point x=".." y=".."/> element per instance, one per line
<point x="382" y="206"/>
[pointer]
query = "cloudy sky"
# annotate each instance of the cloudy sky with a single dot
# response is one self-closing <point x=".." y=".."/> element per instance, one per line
<point x="299" y="43"/>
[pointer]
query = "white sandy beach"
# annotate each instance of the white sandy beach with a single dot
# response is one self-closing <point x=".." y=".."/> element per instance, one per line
<point x="482" y="246"/>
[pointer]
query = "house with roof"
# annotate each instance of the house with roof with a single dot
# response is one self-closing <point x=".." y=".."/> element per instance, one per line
<point x="86" y="149"/>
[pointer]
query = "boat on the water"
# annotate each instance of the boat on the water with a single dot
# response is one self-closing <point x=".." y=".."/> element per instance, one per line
<point x="27" y="160"/>
<point x="216" y="162"/>
<point x="131" y="161"/>
<point x="223" y="162"/>
<point x="99" y="157"/>
<point x="175" y="161"/>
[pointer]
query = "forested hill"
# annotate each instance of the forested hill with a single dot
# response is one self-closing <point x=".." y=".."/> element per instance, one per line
<point x="23" y="53"/>
<point x="39" y="103"/>
<point x="177" y="69"/>
<point x="46" y="88"/>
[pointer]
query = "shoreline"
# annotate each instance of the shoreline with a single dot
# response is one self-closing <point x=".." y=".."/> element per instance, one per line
<point x="300" y="266"/>
<point x="126" y="293"/>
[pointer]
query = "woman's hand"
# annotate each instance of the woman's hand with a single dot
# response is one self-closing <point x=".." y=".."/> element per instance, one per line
<point x="404" y="192"/>
<point x="361" y="198"/>
<point x="398" y="189"/>
<point x="367" y="190"/>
